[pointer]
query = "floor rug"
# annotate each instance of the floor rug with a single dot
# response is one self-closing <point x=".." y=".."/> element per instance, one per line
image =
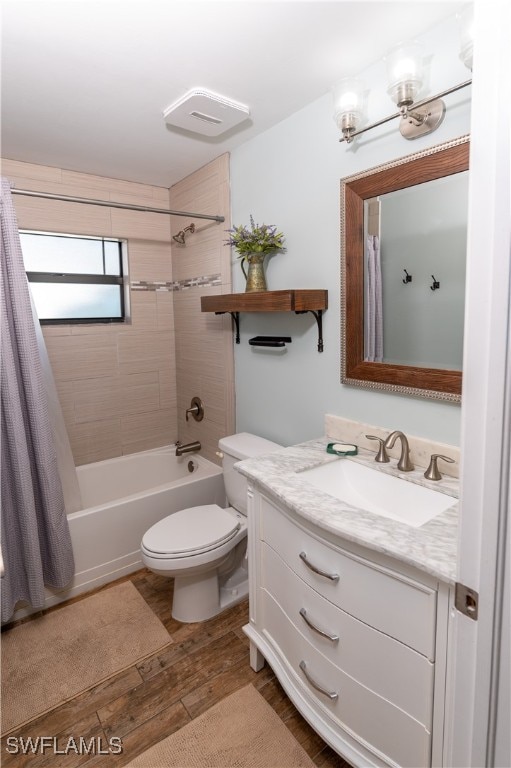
<point x="241" y="731"/>
<point x="51" y="659"/>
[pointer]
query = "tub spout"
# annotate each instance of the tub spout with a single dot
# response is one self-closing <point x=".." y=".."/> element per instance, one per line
<point x="187" y="447"/>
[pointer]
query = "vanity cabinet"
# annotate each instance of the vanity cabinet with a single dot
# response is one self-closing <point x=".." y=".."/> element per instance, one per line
<point x="357" y="641"/>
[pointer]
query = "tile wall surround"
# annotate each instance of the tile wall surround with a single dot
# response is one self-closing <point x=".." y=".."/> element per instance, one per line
<point x="116" y="383"/>
<point x="204" y="344"/>
<point x="125" y="388"/>
<point x="338" y="428"/>
<point x="176" y="285"/>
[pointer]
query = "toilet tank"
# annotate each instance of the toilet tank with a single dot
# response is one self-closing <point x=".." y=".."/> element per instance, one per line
<point x="235" y="448"/>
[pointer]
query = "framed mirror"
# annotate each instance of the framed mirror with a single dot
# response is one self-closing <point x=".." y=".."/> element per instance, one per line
<point x="403" y="251"/>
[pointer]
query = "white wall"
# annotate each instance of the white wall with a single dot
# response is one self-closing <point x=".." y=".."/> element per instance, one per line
<point x="290" y="176"/>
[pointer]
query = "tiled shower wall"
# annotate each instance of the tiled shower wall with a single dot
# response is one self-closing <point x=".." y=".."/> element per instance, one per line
<point x="116" y="383"/>
<point x="204" y="352"/>
<point x="119" y="386"/>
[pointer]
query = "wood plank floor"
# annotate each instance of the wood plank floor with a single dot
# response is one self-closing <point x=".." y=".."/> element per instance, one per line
<point x="156" y="697"/>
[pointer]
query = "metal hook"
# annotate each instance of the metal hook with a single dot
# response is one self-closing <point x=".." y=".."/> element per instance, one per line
<point x="408" y="278"/>
<point x="436" y="284"/>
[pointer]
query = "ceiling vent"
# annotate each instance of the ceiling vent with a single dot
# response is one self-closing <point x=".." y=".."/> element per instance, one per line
<point x="204" y="112"/>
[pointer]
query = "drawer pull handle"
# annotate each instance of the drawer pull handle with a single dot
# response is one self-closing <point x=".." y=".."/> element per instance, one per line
<point x="331" y="576"/>
<point x="332" y="638"/>
<point x="331" y="694"/>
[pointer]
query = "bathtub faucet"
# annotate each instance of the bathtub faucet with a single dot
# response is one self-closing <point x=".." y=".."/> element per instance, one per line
<point x="187" y="447"/>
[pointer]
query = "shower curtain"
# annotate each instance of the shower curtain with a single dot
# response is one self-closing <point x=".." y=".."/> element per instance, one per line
<point x="374" y="302"/>
<point x="65" y="460"/>
<point x="36" y="544"/>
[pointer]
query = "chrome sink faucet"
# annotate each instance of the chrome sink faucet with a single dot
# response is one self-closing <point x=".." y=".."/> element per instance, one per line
<point x="404" y="463"/>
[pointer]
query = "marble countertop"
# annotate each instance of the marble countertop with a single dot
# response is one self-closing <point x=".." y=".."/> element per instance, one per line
<point x="431" y="548"/>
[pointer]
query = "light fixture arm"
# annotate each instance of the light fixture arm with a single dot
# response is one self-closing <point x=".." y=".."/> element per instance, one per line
<point x="410" y="111"/>
<point x="417" y="117"/>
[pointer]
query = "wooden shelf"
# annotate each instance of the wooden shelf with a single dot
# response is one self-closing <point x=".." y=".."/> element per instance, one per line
<point x="298" y="301"/>
<point x="266" y="301"/>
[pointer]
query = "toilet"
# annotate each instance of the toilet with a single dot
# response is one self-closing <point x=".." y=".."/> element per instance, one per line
<point x="205" y="548"/>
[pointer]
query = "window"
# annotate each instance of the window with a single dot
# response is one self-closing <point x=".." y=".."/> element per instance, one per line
<point x="75" y="279"/>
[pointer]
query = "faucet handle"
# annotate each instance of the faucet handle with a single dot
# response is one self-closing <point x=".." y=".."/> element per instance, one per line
<point x="432" y="472"/>
<point x="382" y="456"/>
<point x="196" y="409"/>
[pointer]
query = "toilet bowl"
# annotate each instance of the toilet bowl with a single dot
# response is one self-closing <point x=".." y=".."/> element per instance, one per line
<point x="204" y="549"/>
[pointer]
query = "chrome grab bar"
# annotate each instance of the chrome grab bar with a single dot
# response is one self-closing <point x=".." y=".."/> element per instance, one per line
<point x="331" y="694"/>
<point x="331" y="576"/>
<point x="332" y="638"/>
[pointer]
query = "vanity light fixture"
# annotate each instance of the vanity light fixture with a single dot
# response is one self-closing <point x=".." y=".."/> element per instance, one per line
<point x="348" y="97"/>
<point x="404" y="71"/>
<point x="405" y="76"/>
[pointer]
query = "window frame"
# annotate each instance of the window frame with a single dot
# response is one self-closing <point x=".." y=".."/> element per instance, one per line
<point x="84" y="278"/>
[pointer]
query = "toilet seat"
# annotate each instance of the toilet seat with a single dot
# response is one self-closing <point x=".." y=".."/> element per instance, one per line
<point x="191" y="531"/>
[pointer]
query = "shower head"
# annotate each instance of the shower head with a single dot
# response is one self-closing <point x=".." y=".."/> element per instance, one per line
<point x="180" y="237"/>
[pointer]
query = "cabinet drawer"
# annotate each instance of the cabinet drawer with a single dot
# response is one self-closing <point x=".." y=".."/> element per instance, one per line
<point x="388" y="601"/>
<point x="387" y="667"/>
<point x="365" y="715"/>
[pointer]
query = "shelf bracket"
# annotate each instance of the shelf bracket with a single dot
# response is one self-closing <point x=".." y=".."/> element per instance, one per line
<point x="319" y="319"/>
<point x="236" y="318"/>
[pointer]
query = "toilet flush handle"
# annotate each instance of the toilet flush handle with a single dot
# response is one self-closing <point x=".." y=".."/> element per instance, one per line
<point x="219" y="454"/>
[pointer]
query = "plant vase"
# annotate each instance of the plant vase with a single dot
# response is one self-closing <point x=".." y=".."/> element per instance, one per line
<point x="256" y="279"/>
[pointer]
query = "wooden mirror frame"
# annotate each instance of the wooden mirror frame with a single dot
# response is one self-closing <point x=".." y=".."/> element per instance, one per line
<point x="433" y="163"/>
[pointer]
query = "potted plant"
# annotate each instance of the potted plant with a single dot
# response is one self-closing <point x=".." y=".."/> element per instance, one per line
<point x="253" y="245"/>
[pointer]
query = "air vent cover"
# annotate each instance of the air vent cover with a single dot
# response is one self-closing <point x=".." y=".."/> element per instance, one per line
<point x="204" y="112"/>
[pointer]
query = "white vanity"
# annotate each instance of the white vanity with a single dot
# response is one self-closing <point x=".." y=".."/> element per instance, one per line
<point x="351" y="610"/>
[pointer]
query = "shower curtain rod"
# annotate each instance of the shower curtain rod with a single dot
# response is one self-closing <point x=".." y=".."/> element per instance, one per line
<point x="105" y="204"/>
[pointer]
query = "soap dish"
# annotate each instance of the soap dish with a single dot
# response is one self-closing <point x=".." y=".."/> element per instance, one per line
<point x="342" y="449"/>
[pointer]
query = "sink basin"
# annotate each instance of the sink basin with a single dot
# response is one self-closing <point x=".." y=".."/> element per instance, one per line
<point x="378" y="492"/>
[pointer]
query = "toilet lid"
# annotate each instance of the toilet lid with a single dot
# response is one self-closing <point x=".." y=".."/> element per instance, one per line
<point x="191" y="531"/>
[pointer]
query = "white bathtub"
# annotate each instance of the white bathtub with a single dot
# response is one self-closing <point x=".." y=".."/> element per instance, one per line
<point x="123" y="497"/>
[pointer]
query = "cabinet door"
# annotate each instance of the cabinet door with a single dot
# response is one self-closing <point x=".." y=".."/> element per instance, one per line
<point x="384" y="599"/>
